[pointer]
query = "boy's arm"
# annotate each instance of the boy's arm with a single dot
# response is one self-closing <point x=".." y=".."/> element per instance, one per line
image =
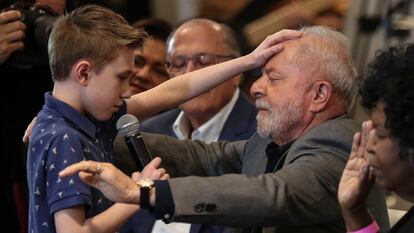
<point x="111" y="220"/>
<point x="184" y="87"/>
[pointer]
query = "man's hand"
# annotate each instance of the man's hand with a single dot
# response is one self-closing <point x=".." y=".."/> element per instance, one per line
<point x="28" y="133"/>
<point x="115" y="185"/>
<point x="12" y="33"/>
<point x="152" y="172"/>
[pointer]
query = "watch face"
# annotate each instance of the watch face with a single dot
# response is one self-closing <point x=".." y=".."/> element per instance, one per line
<point x="145" y="187"/>
<point x="146" y="183"/>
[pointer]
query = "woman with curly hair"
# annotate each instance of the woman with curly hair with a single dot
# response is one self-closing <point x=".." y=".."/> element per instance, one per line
<point x="384" y="151"/>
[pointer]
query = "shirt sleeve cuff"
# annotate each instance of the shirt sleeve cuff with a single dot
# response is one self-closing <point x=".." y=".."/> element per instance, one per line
<point x="164" y="205"/>
<point x="371" y="228"/>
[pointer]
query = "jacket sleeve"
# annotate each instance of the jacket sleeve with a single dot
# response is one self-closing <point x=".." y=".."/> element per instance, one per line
<point x="302" y="192"/>
<point x="195" y="158"/>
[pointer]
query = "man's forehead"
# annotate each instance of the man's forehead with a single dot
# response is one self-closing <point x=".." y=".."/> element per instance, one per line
<point x="196" y="41"/>
<point x="289" y="48"/>
<point x="195" y="28"/>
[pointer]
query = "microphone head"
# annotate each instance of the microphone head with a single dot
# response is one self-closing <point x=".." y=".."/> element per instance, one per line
<point x="127" y="125"/>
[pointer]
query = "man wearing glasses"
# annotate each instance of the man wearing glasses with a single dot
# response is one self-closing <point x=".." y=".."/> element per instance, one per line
<point x="223" y="113"/>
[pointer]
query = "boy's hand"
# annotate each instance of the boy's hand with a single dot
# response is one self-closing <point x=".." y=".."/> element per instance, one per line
<point x="272" y="45"/>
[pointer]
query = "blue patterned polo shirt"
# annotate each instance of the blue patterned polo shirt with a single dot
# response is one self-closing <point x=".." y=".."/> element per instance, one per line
<point x="63" y="136"/>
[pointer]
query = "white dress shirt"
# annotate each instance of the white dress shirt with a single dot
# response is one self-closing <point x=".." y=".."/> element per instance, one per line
<point x="208" y="132"/>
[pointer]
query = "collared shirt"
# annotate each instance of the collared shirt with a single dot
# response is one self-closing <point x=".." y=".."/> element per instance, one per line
<point x="209" y="131"/>
<point x="63" y="136"/>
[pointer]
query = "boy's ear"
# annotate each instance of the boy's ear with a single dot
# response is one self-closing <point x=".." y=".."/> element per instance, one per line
<point x="82" y="71"/>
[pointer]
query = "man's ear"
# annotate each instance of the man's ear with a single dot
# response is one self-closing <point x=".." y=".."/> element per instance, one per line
<point x="82" y="71"/>
<point x="322" y="94"/>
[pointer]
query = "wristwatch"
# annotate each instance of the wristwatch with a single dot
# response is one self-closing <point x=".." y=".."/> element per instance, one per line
<point x="145" y="186"/>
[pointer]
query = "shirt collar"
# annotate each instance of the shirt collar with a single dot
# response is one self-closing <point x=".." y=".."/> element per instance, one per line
<point x="82" y="121"/>
<point x="209" y="131"/>
<point x="273" y="148"/>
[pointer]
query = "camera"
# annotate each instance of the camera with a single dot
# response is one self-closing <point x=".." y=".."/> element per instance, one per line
<point x="39" y="22"/>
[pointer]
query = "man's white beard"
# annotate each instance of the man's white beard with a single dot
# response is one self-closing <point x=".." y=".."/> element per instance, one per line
<point x="277" y="122"/>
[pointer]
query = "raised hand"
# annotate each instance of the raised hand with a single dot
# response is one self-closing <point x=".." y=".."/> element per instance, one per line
<point x="356" y="182"/>
<point x="272" y="45"/>
<point x="12" y="33"/>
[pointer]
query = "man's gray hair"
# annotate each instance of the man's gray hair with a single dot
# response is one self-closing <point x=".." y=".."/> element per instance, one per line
<point x="332" y="56"/>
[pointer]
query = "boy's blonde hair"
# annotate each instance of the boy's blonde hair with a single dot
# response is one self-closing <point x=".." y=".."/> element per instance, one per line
<point x="90" y="32"/>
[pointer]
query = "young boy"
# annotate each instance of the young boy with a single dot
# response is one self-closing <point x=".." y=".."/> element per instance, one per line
<point x="91" y="53"/>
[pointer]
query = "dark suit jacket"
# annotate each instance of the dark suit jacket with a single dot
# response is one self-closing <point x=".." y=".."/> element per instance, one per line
<point x="300" y="197"/>
<point x="406" y="223"/>
<point x="240" y="125"/>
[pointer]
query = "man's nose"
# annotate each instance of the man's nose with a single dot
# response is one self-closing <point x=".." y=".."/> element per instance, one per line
<point x="191" y="66"/>
<point x="257" y="89"/>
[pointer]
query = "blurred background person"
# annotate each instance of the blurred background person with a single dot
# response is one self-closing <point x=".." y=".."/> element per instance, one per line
<point x="150" y="71"/>
<point x="149" y="61"/>
<point x="12" y="164"/>
<point x="25" y="73"/>
<point x="223" y="113"/>
<point x="384" y="152"/>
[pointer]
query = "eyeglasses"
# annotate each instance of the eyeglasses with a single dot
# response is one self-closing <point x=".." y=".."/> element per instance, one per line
<point x="158" y="68"/>
<point x="178" y="64"/>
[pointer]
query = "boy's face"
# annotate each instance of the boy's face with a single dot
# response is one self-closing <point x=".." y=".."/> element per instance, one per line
<point x="106" y="89"/>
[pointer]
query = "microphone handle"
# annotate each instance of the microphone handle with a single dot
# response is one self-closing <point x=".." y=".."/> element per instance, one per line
<point x="139" y="150"/>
